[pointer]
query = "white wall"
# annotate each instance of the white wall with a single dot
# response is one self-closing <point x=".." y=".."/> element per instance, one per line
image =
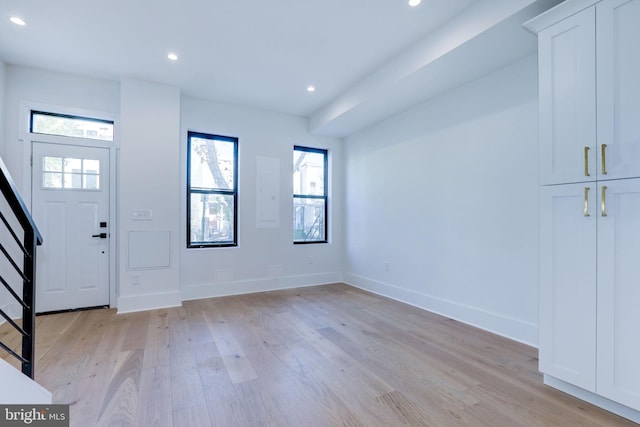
<point x="446" y="194"/>
<point x="265" y="258"/>
<point x="152" y="161"/>
<point x="4" y="296"/>
<point x="3" y="73"/>
<point x="149" y="177"/>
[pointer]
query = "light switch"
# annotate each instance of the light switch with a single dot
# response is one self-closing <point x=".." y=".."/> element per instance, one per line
<point x="142" y="215"/>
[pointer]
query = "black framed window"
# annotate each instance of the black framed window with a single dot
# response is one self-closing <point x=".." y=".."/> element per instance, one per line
<point x="310" y="186"/>
<point x="212" y="190"/>
<point x="72" y="126"/>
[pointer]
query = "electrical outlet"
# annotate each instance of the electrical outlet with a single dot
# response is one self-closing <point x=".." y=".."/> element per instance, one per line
<point x="135" y="279"/>
<point x="310" y="260"/>
<point x="386" y="266"/>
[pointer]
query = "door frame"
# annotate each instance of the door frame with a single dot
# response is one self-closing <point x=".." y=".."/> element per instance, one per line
<point x="26" y="139"/>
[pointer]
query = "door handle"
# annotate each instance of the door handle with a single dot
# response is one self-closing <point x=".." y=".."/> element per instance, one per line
<point x="101" y="235"/>
<point x="586" y="161"/>
<point x="586" y="201"/>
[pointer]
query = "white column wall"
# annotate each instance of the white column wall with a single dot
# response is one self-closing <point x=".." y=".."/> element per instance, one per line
<point x="148" y="179"/>
<point x="445" y="196"/>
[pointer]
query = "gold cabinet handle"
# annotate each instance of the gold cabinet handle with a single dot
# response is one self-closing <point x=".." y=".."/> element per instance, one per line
<point x="586" y="161"/>
<point x="586" y="201"/>
<point x="604" y="162"/>
<point x="603" y="199"/>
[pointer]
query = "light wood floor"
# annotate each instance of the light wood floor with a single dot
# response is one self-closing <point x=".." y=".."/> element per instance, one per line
<point x="320" y="356"/>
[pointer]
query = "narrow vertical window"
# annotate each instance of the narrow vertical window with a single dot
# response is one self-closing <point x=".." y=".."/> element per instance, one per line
<point x="212" y="190"/>
<point x="309" y="195"/>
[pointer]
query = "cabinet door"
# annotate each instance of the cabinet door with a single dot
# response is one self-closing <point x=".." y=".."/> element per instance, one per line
<point x="568" y="283"/>
<point x="567" y="79"/>
<point x="618" y="31"/>
<point x="619" y="292"/>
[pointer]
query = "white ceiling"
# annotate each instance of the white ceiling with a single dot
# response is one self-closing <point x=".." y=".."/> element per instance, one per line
<point x="255" y="53"/>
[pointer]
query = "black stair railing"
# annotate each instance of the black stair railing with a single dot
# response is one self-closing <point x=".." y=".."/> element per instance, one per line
<point x="27" y="273"/>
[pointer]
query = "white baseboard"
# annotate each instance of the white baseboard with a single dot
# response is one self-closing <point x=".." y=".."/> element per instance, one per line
<point x="505" y="326"/>
<point x="602" y="402"/>
<point x="129" y="304"/>
<point x="237" y="287"/>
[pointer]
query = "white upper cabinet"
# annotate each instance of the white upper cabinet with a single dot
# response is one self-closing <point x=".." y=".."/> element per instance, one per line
<point x="589" y="64"/>
<point x="567" y="79"/>
<point x="618" y="88"/>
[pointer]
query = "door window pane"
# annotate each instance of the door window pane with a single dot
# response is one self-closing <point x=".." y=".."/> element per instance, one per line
<point x="70" y="173"/>
<point x="73" y="180"/>
<point x="53" y="164"/>
<point x="72" y="165"/>
<point x="51" y="180"/>
<point x="91" y="166"/>
<point x="90" y="182"/>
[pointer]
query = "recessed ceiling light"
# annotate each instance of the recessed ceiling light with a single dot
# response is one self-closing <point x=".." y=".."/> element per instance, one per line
<point x="414" y="3"/>
<point x="172" y="56"/>
<point x="311" y="88"/>
<point x="17" y="21"/>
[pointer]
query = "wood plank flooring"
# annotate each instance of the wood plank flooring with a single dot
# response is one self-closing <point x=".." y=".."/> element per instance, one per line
<point x="320" y="356"/>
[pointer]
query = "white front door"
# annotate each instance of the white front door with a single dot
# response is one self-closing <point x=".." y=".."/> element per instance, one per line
<point x="71" y="208"/>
